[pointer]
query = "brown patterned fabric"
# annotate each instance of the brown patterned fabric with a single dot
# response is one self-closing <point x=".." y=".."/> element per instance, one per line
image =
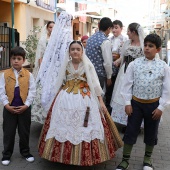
<point x="10" y="82"/>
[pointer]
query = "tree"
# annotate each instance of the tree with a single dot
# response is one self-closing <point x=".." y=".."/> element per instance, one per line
<point x="31" y="45"/>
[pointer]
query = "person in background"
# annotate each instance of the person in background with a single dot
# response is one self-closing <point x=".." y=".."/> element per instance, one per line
<point x="84" y="40"/>
<point x="146" y="91"/>
<point x="117" y="41"/>
<point x="17" y="90"/>
<point x="98" y="50"/>
<point x="37" y="109"/>
<point x="131" y="49"/>
<point x="42" y="44"/>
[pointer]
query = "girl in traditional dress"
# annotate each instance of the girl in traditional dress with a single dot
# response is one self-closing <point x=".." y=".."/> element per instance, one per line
<point x="78" y="129"/>
<point x="52" y="59"/>
<point x="37" y="109"/>
<point x="132" y="49"/>
<point x="42" y="44"/>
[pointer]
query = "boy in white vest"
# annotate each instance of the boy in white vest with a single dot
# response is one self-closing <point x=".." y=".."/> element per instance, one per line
<point x="17" y="90"/>
<point x="146" y="91"/>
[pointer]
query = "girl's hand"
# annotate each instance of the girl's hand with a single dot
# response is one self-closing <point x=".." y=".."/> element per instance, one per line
<point x="102" y="105"/>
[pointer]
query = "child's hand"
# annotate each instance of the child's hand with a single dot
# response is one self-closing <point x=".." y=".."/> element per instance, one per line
<point x="20" y="109"/>
<point x="117" y="62"/>
<point x="156" y="114"/>
<point x="103" y="107"/>
<point x="11" y="109"/>
<point x="128" y="110"/>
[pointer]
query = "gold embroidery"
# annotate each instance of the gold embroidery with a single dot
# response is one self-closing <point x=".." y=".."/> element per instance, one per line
<point x="76" y="85"/>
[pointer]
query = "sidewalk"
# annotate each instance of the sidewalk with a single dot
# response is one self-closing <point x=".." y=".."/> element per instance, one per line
<point x="161" y="153"/>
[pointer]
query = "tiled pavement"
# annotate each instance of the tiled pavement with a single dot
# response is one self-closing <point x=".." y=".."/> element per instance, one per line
<point x="161" y="155"/>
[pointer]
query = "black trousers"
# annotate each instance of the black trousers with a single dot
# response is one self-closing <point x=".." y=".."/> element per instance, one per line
<point x="108" y="94"/>
<point x="10" y="123"/>
<point x="142" y="111"/>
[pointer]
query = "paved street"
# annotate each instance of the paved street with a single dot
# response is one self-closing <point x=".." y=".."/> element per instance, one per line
<point x="161" y="155"/>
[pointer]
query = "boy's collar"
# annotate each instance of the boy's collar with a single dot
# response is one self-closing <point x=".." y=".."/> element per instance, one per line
<point x="117" y="36"/>
<point x="16" y="70"/>
<point x="146" y="59"/>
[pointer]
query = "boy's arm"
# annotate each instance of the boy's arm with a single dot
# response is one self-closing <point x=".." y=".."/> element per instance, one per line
<point x="107" y="57"/>
<point x="165" y="97"/>
<point x="126" y="89"/>
<point x="31" y="92"/>
<point x="3" y="96"/>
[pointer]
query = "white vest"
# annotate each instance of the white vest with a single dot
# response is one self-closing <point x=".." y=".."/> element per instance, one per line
<point x="148" y="79"/>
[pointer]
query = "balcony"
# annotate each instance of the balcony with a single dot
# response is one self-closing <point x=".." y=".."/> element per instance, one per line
<point x="16" y="1"/>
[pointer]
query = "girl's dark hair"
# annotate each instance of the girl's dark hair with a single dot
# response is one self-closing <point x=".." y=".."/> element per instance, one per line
<point x="105" y="23"/>
<point x="118" y="22"/>
<point x="49" y="22"/>
<point x="18" y="51"/>
<point x="154" y="39"/>
<point x="134" y="27"/>
<point x="74" y="42"/>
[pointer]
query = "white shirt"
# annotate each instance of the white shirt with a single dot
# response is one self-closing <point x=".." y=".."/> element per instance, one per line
<point x="117" y="43"/>
<point x="126" y="89"/>
<point x="31" y="92"/>
<point x="107" y="57"/>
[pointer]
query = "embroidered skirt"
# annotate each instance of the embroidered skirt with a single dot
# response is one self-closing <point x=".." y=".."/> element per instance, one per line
<point x="84" y="153"/>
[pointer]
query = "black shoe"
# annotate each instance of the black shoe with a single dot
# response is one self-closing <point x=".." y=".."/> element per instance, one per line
<point x="29" y="158"/>
<point x="5" y="161"/>
<point x="120" y="167"/>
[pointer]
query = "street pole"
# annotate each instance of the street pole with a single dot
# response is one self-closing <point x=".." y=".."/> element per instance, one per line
<point x="55" y="11"/>
<point x="12" y="15"/>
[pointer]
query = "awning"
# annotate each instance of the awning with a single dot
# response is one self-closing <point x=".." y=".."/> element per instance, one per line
<point x="87" y="13"/>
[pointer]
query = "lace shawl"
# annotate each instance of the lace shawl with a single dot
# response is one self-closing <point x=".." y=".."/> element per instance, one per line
<point x="54" y="55"/>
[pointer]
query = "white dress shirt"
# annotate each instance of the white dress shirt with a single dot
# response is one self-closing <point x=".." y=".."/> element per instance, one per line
<point x="31" y="92"/>
<point x="127" y="86"/>
<point x="107" y="57"/>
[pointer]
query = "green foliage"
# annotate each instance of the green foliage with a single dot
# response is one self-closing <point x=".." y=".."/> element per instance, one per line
<point x="31" y="45"/>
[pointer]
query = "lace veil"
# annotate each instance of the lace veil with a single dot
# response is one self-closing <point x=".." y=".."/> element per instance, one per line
<point x="54" y="55"/>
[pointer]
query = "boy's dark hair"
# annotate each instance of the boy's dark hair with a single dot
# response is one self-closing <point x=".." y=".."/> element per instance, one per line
<point x="118" y="22"/>
<point x="154" y="39"/>
<point x="105" y="23"/>
<point x="18" y="51"/>
<point x="134" y="27"/>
